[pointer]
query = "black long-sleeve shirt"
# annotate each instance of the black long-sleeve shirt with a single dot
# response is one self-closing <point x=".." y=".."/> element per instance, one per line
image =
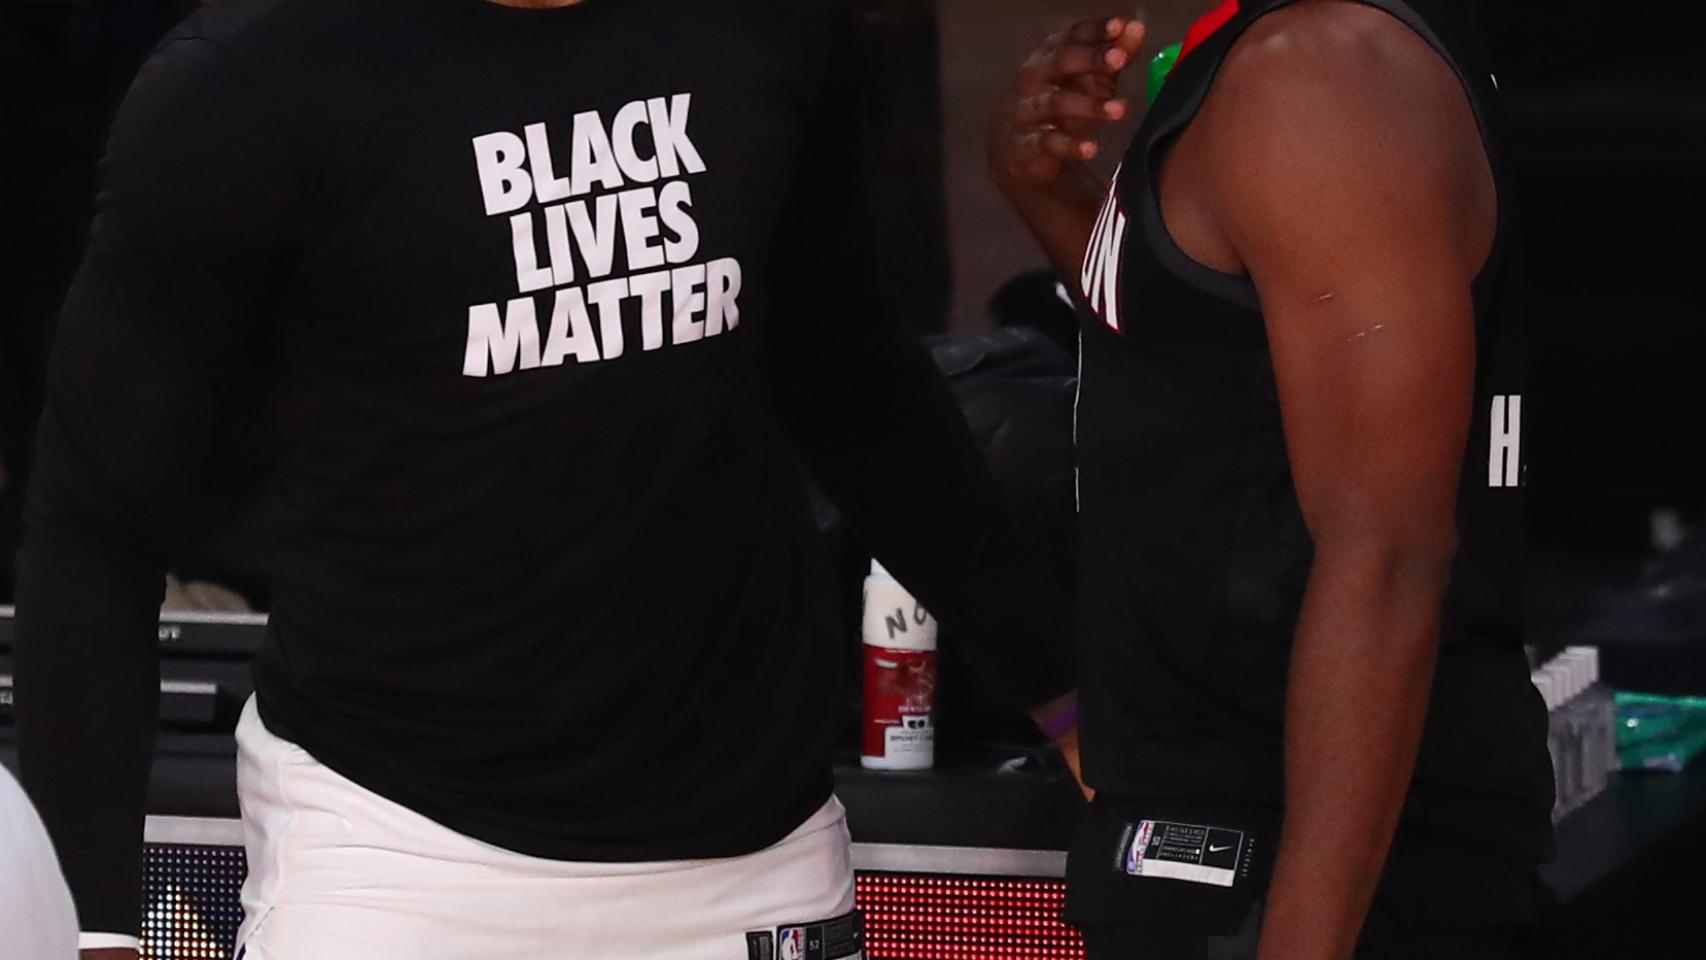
<point x="543" y="305"/>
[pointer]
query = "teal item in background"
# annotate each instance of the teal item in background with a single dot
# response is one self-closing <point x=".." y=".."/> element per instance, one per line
<point x="1659" y="733"/>
<point x="1160" y="67"/>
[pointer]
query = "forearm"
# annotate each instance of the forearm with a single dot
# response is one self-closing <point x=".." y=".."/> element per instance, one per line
<point x="878" y="428"/>
<point x="1361" y="671"/>
<point x="1060" y="215"/>
<point x="87" y="687"/>
<point x="87" y="693"/>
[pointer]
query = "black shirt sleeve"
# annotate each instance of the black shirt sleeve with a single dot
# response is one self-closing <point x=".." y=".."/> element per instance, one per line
<point x="876" y="425"/>
<point x="197" y="209"/>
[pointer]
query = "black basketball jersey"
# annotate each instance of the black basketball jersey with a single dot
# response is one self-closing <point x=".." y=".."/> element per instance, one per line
<point x="1194" y="552"/>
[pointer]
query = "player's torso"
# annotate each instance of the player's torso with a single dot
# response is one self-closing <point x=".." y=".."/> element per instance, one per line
<point x="538" y="238"/>
<point x="515" y="364"/>
<point x="515" y="355"/>
<point x="1194" y="552"/>
<point x="496" y="188"/>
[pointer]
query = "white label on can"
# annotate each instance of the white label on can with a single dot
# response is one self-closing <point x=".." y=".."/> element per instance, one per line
<point x="912" y="737"/>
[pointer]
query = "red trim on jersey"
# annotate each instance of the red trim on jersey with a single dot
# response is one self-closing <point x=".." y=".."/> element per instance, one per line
<point x="1205" y="28"/>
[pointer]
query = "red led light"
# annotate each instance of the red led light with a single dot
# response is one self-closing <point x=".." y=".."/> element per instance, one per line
<point x="909" y="917"/>
<point x="192" y="911"/>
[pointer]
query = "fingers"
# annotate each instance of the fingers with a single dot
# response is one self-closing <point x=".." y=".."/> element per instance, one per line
<point x="1065" y="91"/>
<point x="1068" y="745"/>
<point x="1100" y="46"/>
<point x="1095" y="48"/>
<point x="1099" y="86"/>
<point x="1099" y="31"/>
<point x="1129" y="38"/>
<point x="1084" y="33"/>
<point x="1103" y="58"/>
<point x="1093" y="31"/>
<point x="1055" y="144"/>
<point x="1062" y="107"/>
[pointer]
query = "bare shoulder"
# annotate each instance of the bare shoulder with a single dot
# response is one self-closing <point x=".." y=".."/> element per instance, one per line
<point x="1341" y="41"/>
<point x="1338" y="63"/>
<point x="1336" y="114"/>
<point x="1342" y="108"/>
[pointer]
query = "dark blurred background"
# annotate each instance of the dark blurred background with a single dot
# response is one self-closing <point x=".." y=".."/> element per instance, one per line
<point x="1608" y="104"/>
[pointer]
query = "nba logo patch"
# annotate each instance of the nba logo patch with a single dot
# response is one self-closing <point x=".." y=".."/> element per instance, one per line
<point x="791" y="943"/>
<point x="841" y="938"/>
<point x="1139" y="843"/>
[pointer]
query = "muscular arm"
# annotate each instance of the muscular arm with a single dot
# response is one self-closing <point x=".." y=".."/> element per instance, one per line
<point x="1357" y="196"/>
<point x="154" y="339"/>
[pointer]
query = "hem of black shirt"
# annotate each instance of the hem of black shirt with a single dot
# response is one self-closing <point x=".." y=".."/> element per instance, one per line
<point x="727" y="841"/>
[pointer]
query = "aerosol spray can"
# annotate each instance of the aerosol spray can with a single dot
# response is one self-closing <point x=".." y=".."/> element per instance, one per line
<point x="900" y="677"/>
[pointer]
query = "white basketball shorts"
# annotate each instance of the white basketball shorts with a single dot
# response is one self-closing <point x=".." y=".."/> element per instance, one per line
<point x="337" y="872"/>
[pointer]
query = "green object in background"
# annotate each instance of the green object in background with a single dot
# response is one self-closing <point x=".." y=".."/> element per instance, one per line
<point x="1160" y="67"/>
<point x="1659" y="733"/>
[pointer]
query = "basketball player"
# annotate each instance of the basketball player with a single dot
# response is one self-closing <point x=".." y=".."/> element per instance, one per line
<point x="543" y="299"/>
<point x="1307" y="714"/>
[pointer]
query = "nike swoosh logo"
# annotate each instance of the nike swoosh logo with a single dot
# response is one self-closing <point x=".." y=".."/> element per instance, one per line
<point x="1220" y="849"/>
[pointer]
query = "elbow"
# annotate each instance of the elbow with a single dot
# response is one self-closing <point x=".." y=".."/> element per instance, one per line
<point x="1404" y="560"/>
<point x="1387" y="590"/>
<point x="72" y="504"/>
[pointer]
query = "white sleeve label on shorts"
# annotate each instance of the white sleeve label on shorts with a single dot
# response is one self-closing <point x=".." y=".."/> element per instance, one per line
<point x="841" y="938"/>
